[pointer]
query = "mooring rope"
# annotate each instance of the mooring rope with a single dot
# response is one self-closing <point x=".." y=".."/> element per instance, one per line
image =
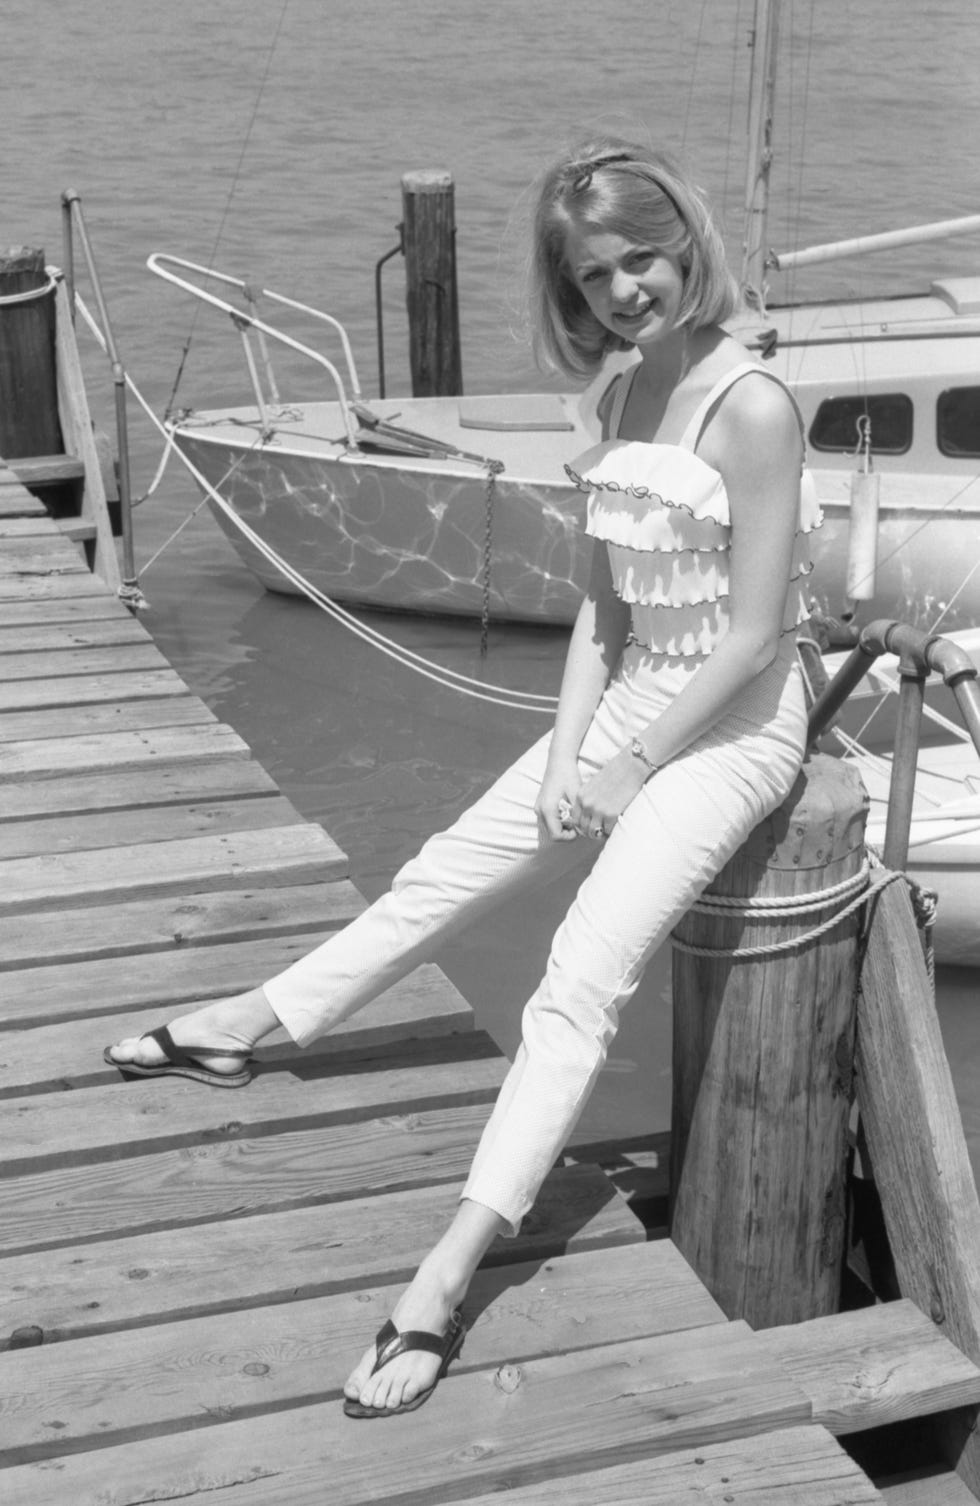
<point x="31" y="293"/>
<point x="449" y="679"/>
<point x="924" y="905"/>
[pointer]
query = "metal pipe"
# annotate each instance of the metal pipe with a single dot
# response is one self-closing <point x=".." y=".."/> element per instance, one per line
<point x="832" y="697"/>
<point x="130" y="588"/>
<point x="130" y="583"/>
<point x="905" y="757"/>
<point x="68" y="247"/>
<point x="378" y="316"/>
<point x="861" y="245"/>
<point x="241" y="324"/>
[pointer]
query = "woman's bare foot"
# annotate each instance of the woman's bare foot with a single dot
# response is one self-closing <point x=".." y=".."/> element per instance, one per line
<point x="228" y="1025"/>
<point x="437" y="1289"/>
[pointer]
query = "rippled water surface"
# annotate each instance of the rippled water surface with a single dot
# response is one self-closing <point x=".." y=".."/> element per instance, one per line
<point x="272" y="137"/>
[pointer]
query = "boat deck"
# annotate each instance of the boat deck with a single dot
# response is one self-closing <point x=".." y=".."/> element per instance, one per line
<point x="189" y="1274"/>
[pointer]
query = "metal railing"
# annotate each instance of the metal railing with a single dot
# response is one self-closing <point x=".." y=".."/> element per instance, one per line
<point x="919" y="654"/>
<point x="161" y="263"/>
<point x="73" y="223"/>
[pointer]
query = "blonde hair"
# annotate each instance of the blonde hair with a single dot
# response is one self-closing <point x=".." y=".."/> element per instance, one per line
<point x="625" y="189"/>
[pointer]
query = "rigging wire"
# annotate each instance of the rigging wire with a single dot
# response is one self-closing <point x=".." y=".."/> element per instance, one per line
<point x="236" y="175"/>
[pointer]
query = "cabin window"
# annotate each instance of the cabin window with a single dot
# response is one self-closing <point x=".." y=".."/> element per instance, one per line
<point x="836" y="426"/>
<point x="958" y="421"/>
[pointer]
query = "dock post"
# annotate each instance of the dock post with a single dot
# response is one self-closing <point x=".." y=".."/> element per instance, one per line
<point x="763" y="1064"/>
<point x="430" y="271"/>
<point x="28" y="382"/>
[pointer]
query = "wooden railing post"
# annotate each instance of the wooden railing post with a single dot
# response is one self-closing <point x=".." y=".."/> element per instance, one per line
<point x="763" y="1062"/>
<point x="430" y="271"/>
<point x="28" y="384"/>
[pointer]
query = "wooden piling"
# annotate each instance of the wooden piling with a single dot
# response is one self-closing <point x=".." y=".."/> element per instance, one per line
<point x="763" y="1054"/>
<point x="28" y="384"/>
<point x="430" y="270"/>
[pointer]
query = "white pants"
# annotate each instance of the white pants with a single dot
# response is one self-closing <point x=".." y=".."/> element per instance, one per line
<point x="680" y="830"/>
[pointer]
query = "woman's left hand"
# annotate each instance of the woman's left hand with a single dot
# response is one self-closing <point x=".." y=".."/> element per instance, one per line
<point x="602" y="799"/>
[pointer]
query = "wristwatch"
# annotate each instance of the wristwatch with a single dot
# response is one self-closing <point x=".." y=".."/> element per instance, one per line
<point x="639" y="751"/>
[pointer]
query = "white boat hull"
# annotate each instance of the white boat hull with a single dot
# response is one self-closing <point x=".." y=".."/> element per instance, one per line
<point x="407" y="534"/>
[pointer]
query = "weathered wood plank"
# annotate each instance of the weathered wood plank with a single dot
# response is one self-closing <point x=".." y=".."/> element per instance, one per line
<point x="797" y="1466"/>
<point x="27" y="525"/>
<point x="104" y="1387"/>
<point x="93" y="721"/>
<point x="492" y="1429"/>
<point x="918" y="1154"/>
<point x="50" y="1058"/>
<point x="875" y="1366"/>
<point x="158" y="824"/>
<point x="940" y="1489"/>
<point x="50" y="609"/>
<point x="47" y="585"/>
<point x="61" y="637"/>
<point x="270" y="1176"/>
<point x="276" y="855"/>
<point x="182" y="1271"/>
<point x="114" y="985"/>
<point x="81" y="690"/>
<point x="42" y="470"/>
<point x="54" y="556"/>
<point x="152" y="1116"/>
<point x="209" y="778"/>
<point x="16" y="501"/>
<point x="175" y="920"/>
<point x="81" y="661"/>
<point x="118" y="752"/>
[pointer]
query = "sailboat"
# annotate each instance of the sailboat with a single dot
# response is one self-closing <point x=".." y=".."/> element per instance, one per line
<point x="460" y="505"/>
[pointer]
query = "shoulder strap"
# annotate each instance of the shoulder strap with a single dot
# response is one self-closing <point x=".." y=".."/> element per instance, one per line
<point x="692" y="434"/>
<point x="623" y="389"/>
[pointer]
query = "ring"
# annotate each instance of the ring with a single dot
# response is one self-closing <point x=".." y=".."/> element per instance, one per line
<point x="596" y="832"/>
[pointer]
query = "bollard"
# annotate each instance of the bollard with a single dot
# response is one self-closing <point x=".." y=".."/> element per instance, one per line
<point x="763" y="1065"/>
<point x="28" y="384"/>
<point x="430" y="270"/>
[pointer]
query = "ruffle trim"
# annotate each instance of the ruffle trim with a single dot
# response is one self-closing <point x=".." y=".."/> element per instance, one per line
<point x="670" y="652"/>
<point x="643" y="494"/>
<point x="642" y="595"/>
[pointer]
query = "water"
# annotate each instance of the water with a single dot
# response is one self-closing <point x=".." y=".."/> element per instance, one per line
<point x="272" y="137"/>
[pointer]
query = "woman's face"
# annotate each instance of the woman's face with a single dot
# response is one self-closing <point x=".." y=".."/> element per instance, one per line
<point x="633" y="289"/>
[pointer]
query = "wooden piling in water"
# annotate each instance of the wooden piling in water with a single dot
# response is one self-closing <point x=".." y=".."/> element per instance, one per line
<point x="763" y="1054"/>
<point x="430" y="271"/>
<point x="28" y="384"/>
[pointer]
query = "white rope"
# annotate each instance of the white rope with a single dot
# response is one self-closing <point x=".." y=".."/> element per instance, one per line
<point x="514" y="700"/>
<point x="31" y="293"/>
<point x="793" y="943"/>
<point x="777" y="905"/>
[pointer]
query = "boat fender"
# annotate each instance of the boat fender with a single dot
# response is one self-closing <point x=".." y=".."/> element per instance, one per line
<point x="862" y="541"/>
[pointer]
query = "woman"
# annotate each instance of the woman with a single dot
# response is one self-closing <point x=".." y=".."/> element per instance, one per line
<point x="680" y="723"/>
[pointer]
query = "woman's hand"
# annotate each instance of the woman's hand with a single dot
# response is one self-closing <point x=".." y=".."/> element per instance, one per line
<point x="602" y="799"/>
<point x="556" y="800"/>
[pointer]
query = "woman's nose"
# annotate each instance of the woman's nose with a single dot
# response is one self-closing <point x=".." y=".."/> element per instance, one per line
<point x="623" y="286"/>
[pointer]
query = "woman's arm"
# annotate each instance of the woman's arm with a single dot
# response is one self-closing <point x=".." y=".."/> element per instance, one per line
<point x="754" y="441"/>
<point x="593" y="651"/>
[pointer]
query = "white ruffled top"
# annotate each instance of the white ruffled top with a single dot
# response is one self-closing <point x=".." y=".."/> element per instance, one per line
<point x="664" y="515"/>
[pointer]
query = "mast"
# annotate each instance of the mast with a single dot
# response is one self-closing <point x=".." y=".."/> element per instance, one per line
<point x="762" y="88"/>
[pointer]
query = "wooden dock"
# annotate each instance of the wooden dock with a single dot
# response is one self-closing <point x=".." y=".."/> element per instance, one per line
<point x="190" y="1274"/>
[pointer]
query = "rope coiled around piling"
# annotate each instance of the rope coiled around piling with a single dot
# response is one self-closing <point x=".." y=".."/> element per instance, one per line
<point x="856" y="890"/>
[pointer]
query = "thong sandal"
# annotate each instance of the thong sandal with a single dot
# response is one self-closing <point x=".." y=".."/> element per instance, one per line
<point x="179" y="1063"/>
<point x="389" y="1344"/>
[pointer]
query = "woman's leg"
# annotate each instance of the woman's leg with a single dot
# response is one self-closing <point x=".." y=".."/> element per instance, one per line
<point x="439" y="1286"/>
<point x="681" y="830"/>
<point x="493" y="850"/>
<point x="673" y="839"/>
